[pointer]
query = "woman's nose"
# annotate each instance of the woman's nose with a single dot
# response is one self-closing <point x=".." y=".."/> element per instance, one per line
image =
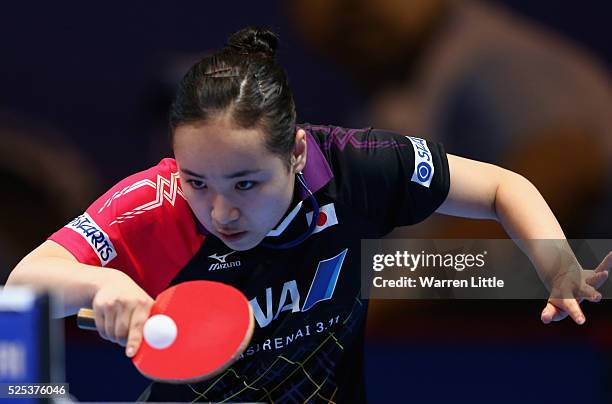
<point x="223" y="212"/>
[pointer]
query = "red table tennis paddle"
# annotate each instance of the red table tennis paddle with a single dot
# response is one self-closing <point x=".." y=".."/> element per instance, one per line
<point x="214" y="324"/>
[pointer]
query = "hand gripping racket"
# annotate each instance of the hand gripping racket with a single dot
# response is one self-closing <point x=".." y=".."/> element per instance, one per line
<point x="200" y="328"/>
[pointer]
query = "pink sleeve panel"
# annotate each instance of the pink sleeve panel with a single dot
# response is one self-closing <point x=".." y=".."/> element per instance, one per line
<point x="142" y="226"/>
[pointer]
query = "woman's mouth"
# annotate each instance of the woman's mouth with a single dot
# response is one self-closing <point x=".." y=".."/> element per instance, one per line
<point x="232" y="236"/>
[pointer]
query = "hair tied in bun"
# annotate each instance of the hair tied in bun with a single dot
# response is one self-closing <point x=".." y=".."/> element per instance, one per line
<point x="253" y="41"/>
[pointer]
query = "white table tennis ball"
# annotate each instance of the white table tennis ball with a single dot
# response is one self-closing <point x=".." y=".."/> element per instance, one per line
<point x="159" y="331"/>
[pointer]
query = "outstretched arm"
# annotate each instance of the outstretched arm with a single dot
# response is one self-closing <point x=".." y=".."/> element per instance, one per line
<point x="484" y="191"/>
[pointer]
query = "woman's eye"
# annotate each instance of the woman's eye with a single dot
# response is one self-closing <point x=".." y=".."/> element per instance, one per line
<point x="195" y="184"/>
<point x="245" y="185"/>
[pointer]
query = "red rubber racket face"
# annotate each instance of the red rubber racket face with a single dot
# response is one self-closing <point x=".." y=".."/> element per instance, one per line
<point x="214" y="325"/>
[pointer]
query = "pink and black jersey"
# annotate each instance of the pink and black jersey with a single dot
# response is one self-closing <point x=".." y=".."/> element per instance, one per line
<point x="142" y="226"/>
<point x="310" y="316"/>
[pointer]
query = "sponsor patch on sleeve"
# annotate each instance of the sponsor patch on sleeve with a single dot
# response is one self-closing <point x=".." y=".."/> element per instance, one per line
<point x="423" y="162"/>
<point x="99" y="241"/>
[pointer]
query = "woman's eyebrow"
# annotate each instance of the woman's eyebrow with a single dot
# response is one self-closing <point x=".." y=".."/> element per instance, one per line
<point x="193" y="174"/>
<point x="242" y="173"/>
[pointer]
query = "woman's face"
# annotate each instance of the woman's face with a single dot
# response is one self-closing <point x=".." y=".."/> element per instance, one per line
<point x="236" y="188"/>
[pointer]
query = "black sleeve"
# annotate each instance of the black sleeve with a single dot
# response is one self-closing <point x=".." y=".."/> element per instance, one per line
<point x="395" y="180"/>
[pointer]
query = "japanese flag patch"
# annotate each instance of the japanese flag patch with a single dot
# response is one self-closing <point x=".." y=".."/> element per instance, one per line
<point x="327" y="217"/>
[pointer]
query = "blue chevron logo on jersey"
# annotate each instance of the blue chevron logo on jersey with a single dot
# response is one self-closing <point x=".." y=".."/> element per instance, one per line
<point x="324" y="282"/>
<point x="321" y="288"/>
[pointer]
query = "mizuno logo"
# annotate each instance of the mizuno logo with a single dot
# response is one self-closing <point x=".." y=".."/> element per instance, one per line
<point x="220" y="258"/>
<point x="222" y="262"/>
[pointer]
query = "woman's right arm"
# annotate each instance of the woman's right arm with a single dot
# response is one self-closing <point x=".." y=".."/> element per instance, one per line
<point x="120" y="305"/>
<point x="51" y="268"/>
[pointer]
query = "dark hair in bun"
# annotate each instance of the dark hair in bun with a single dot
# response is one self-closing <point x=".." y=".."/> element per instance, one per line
<point x="243" y="80"/>
<point x="253" y="41"/>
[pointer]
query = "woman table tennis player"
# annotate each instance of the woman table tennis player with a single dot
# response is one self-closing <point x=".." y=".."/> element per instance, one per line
<point x="277" y="210"/>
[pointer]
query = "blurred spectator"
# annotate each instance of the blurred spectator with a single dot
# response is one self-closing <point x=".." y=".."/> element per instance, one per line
<point x="45" y="183"/>
<point x="489" y="85"/>
<point x="156" y="100"/>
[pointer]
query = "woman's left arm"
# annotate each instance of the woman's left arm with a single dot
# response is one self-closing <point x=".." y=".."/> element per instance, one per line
<point x="484" y="191"/>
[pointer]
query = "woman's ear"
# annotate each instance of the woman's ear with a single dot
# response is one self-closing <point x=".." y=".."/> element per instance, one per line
<point x="298" y="159"/>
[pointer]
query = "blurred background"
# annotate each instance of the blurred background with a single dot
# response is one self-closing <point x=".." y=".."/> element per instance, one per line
<point x="85" y="90"/>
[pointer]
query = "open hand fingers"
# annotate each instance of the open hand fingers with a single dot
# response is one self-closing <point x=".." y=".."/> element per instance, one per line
<point x="596" y="279"/>
<point x="589" y="293"/>
<point x="560" y="309"/>
<point x="552" y="313"/>
<point x="606" y="264"/>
